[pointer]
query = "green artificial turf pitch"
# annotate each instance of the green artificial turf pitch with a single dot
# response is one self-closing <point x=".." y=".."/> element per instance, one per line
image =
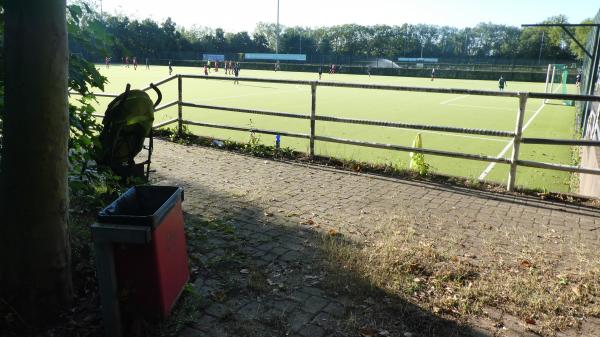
<point x="480" y="112"/>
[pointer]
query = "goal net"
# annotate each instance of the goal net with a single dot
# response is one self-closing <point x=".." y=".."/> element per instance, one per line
<point x="556" y="81"/>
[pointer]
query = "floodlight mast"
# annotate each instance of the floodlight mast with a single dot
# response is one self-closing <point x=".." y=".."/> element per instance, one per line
<point x="277" y="31"/>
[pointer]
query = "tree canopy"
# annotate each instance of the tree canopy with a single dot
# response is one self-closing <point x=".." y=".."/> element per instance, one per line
<point x="122" y="37"/>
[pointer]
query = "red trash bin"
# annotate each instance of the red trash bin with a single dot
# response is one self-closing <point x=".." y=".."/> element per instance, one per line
<point x="144" y="231"/>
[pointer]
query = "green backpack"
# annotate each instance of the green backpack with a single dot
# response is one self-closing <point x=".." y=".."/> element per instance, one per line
<point x="127" y="122"/>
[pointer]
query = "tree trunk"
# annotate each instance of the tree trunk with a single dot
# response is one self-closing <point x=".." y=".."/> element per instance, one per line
<point x="35" y="275"/>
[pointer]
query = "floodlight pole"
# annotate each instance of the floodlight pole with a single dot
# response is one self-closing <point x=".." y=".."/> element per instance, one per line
<point x="277" y="31"/>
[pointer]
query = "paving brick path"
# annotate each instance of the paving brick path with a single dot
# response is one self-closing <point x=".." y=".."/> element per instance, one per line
<point x="252" y="225"/>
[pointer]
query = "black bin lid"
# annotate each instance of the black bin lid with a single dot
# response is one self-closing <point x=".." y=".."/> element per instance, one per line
<point x="141" y="206"/>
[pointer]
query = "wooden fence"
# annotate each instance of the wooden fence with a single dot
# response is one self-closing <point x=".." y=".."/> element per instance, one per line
<point x="516" y="137"/>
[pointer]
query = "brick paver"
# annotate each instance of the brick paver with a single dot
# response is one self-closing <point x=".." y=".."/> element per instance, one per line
<point x="275" y="209"/>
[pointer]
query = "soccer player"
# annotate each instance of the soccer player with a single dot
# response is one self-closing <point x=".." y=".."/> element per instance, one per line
<point x="277" y="66"/>
<point x="226" y="66"/>
<point x="135" y="64"/>
<point x="170" y="68"/>
<point x="205" y="70"/>
<point x="501" y="83"/>
<point x="126" y="61"/>
<point x="216" y="66"/>
<point x="578" y="79"/>
<point x="369" y="70"/>
<point x="432" y="74"/>
<point x="333" y="68"/>
<point x="320" y="72"/>
<point x="236" y="72"/>
<point x="147" y="63"/>
<point x="209" y="65"/>
<point x="107" y="61"/>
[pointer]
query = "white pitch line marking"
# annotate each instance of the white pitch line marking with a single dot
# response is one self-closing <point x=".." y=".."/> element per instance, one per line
<point x="454" y="99"/>
<point x="445" y="134"/>
<point x="491" y="166"/>
<point x="481" y="107"/>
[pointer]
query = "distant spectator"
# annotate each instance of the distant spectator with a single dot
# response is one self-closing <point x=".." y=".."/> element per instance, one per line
<point x="501" y="83"/>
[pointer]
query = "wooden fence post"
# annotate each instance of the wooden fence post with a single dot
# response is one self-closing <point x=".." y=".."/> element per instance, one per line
<point x="512" y="175"/>
<point x="313" y="109"/>
<point x="179" y="105"/>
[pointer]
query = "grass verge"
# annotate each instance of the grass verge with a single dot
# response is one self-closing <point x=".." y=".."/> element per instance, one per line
<point x="438" y="279"/>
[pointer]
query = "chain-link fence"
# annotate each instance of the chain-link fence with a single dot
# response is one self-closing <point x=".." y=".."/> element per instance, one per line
<point x="589" y="112"/>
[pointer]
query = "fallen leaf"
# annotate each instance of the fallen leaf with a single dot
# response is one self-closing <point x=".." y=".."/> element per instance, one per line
<point x="332" y="232"/>
<point x="526" y="264"/>
<point x="244" y="271"/>
<point x="530" y="321"/>
<point x="384" y="333"/>
<point x="268" y="214"/>
<point x="576" y="291"/>
<point x="219" y="296"/>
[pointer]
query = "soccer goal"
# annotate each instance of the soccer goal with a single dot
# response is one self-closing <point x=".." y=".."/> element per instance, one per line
<point x="556" y="81"/>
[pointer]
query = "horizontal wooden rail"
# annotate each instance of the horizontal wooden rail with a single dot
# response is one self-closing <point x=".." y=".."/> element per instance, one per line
<point x="405" y="88"/>
<point x="414" y="149"/>
<point x="248" y="111"/>
<point x="170" y="78"/>
<point x="449" y="129"/>
<point x="549" y="141"/>
<point x="419" y="89"/>
<point x="238" y="128"/>
<point x="247" y="79"/>
<point x="165" y="123"/>
<point x="558" y="167"/>
<point x="564" y="96"/>
<point x="165" y="106"/>
<point x="495" y="133"/>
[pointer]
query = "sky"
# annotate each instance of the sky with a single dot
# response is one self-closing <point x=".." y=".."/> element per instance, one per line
<point x="243" y="15"/>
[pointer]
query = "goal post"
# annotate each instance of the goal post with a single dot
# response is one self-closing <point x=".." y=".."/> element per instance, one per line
<point x="556" y="81"/>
